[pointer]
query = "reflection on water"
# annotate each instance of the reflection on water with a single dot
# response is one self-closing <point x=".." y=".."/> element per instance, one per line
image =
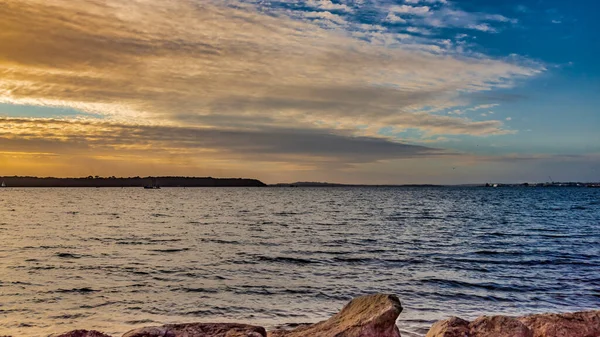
<point x="115" y="259"/>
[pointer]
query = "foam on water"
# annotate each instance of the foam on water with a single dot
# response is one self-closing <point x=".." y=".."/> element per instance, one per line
<point x="116" y="259"/>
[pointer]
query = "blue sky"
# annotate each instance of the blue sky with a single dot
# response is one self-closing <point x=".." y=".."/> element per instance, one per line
<point x="351" y="90"/>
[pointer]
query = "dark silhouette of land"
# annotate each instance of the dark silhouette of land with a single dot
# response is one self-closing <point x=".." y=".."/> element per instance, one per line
<point x="171" y="181"/>
<point x="547" y="184"/>
<point x="325" y="184"/>
<point x="96" y="181"/>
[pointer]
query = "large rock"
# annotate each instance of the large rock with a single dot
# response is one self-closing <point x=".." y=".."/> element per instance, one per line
<point x="485" y="326"/>
<point x="365" y="316"/>
<point x="498" y="326"/>
<point x="452" y="327"/>
<point x="579" y="324"/>
<point x="83" y="333"/>
<point x="200" y="330"/>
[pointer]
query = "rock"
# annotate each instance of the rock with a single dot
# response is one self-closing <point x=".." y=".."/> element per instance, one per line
<point x="83" y="333"/>
<point x="365" y="316"/>
<point x="452" y="327"/>
<point x="498" y="326"/>
<point x="200" y="330"/>
<point x="485" y="326"/>
<point x="578" y="324"/>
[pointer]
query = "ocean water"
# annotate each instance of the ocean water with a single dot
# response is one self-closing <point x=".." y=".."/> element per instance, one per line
<point x="116" y="259"/>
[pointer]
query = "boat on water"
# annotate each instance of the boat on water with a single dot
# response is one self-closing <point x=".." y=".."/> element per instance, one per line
<point x="3" y="184"/>
<point x="153" y="186"/>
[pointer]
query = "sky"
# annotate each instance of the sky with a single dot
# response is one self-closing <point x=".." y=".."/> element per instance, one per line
<point x="347" y="91"/>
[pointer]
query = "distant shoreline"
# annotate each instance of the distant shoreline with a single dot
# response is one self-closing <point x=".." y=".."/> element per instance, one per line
<point x="174" y="181"/>
<point x="130" y="182"/>
<point x="552" y="184"/>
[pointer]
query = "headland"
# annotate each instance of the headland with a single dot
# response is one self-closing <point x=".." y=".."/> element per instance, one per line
<point x="96" y="181"/>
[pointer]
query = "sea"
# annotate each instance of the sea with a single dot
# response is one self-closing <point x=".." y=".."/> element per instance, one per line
<point x="114" y="259"/>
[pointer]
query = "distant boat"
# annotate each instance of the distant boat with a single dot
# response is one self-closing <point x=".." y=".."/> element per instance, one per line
<point x="154" y="186"/>
<point x="3" y="184"/>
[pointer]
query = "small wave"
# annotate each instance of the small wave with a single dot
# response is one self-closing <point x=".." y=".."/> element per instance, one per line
<point x="170" y="250"/>
<point x="164" y="240"/>
<point x="160" y="215"/>
<point x="69" y="256"/>
<point x="298" y="291"/>
<point x="497" y="252"/>
<point x="84" y="290"/>
<point x="251" y="290"/>
<point x="196" y="290"/>
<point x="331" y="252"/>
<point x="90" y="306"/>
<point x="69" y="316"/>
<point x="43" y="268"/>
<point x="132" y="243"/>
<point x="200" y="313"/>
<point x="221" y="241"/>
<point x="284" y="259"/>
<point x="353" y="260"/>
<point x="485" y="286"/>
<point x="140" y="321"/>
<point x="285" y="213"/>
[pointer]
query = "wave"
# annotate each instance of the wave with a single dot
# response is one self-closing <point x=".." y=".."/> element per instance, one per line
<point x="287" y="260"/>
<point x="69" y="255"/>
<point x="170" y="250"/>
<point x="83" y="290"/>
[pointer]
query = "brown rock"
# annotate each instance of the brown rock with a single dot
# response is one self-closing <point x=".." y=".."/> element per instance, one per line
<point x="578" y="324"/>
<point x="365" y="316"/>
<point x="200" y="330"/>
<point x="83" y="333"/>
<point x="485" y="326"/>
<point x="452" y="327"/>
<point x="498" y="326"/>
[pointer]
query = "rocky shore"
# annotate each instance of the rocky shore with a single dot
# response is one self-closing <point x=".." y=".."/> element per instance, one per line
<point x="375" y="316"/>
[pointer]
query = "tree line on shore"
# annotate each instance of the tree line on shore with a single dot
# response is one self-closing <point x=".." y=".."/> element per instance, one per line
<point x="97" y="181"/>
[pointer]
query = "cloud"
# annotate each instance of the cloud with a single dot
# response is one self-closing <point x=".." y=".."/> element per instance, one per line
<point x="391" y="17"/>
<point x="483" y="106"/>
<point x="416" y="2"/>
<point x="446" y="16"/>
<point x="232" y="81"/>
<point x="328" y="5"/>
<point x="412" y="10"/>
<point x="65" y="137"/>
<point x="475" y="108"/>
<point x="328" y="17"/>
<point x="154" y="63"/>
